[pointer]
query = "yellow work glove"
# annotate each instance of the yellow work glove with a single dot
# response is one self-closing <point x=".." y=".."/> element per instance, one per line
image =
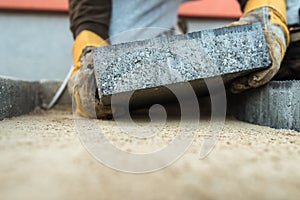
<point x="84" y="39"/>
<point x="82" y="83"/>
<point x="272" y="15"/>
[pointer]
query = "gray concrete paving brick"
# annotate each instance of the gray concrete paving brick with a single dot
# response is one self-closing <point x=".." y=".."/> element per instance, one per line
<point x="17" y="97"/>
<point x="166" y="60"/>
<point x="276" y="104"/>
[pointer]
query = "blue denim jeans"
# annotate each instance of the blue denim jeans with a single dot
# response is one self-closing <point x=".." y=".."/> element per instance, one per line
<point x="141" y="19"/>
<point x="292" y="12"/>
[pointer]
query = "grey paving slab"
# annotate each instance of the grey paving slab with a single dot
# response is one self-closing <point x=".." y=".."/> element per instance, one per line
<point x="276" y="104"/>
<point x="17" y="97"/>
<point x="146" y="66"/>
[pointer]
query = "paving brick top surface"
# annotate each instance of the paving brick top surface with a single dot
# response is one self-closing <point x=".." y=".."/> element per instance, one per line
<point x="173" y="59"/>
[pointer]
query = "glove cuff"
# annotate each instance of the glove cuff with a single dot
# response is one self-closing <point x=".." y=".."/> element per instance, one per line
<point x="277" y="5"/>
<point x="277" y="12"/>
<point x="84" y="38"/>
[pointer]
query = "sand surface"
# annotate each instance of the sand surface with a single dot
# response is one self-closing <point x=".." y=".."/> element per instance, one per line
<point x="41" y="157"/>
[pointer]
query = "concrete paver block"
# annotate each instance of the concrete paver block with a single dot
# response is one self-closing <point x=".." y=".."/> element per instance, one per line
<point x="17" y="97"/>
<point x="276" y="104"/>
<point x="166" y="60"/>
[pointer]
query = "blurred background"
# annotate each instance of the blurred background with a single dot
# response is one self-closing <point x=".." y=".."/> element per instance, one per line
<point x="36" y="43"/>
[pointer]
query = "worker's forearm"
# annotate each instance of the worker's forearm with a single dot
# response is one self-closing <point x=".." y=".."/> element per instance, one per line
<point x="92" y="15"/>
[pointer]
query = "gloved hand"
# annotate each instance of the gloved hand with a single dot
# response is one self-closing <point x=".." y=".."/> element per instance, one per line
<point x="82" y="83"/>
<point x="272" y="15"/>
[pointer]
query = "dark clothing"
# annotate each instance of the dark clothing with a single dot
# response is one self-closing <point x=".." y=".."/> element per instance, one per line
<point x="94" y="15"/>
<point x="242" y="3"/>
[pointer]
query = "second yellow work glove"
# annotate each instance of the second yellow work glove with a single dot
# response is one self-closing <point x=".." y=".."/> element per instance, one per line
<point x="272" y="15"/>
<point x="82" y="83"/>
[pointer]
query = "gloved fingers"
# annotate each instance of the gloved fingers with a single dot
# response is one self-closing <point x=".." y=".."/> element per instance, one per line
<point x="82" y="86"/>
<point x="255" y="79"/>
<point x="262" y="77"/>
<point x="80" y="110"/>
<point x="82" y="93"/>
<point x="86" y="103"/>
<point x="259" y="78"/>
<point x="239" y="85"/>
<point x="102" y="112"/>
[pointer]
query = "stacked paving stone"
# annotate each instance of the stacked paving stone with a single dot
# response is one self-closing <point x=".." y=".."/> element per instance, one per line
<point x="276" y="104"/>
<point x="19" y="97"/>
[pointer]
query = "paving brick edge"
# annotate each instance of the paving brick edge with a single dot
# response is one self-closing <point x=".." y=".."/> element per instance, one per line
<point x="18" y="97"/>
<point x="276" y="105"/>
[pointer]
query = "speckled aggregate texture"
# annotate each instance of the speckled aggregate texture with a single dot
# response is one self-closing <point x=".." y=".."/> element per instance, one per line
<point x="42" y="158"/>
<point x="276" y="104"/>
<point x="17" y="97"/>
<point x="173" y="59"/>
